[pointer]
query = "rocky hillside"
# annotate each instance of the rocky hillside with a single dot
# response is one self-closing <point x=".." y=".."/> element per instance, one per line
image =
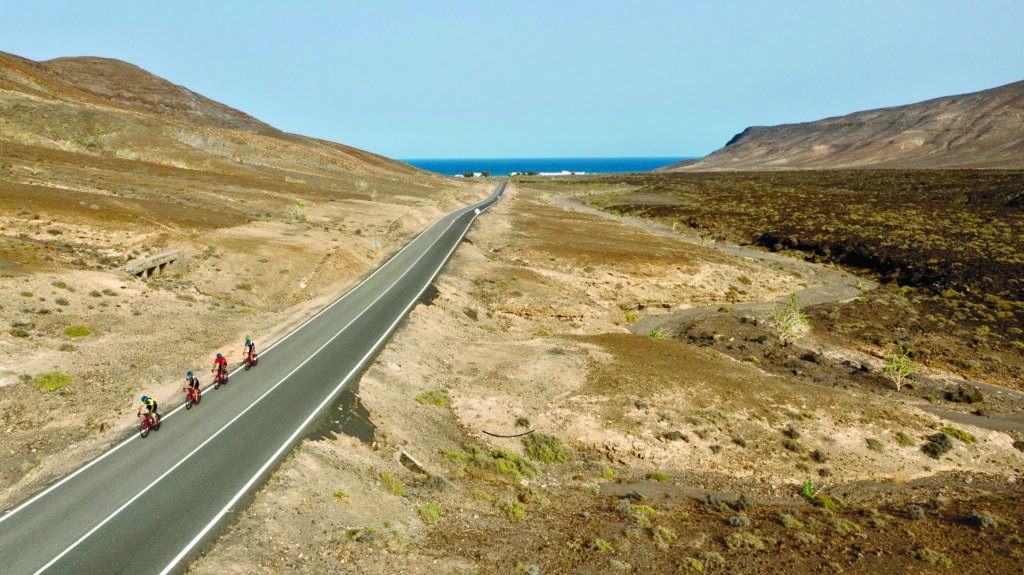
<point x="979" y="130"/>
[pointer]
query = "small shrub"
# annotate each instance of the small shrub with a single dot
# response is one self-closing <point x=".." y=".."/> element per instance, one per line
<point x="905" y="440"/>
<point x="76" y="331"/>
<point x="937" y="445"/>
<point x="470" y="313"/>
<point x="59" y="284"/>
<point x="916" y="512"/>
<point x="437" y="483"/>
<point x="244" y="286"/>
<point x="790" y="522"/>
<point x="658" y="334"/>
<point x="690" y="565"/>
<point x="674" y="436"/>
<point x="544" y="448"/>
<point x="603" y="471"/>
<point x="392" y="484"/>
<point x="828" y="502"/>
<point x="51" y="380"/>
<point x="739" y="440"/>
<point x="934" y="557"/>
<point x="791" y="432"/>
<point x="599" y="545"/>
<point x="899" y="367"/>
<point x="480" y="495"/>
<point x="819" y="456"/>
<point x="66" y="347"/>
<point x="109" y="292"/>
<point x="663" y="536"/>
<point x="631" y="318"/>
<point x="744" y="541"/>
<point x="958" y="434"/>
<point x="95" y="293"/>
<point x="739" y="521"/>
<point x="789" y="320"/>
<point x="794" y="446"/>
<point x="806" y="538"/>
<point x="986" y="519"/>
<point x="18" y="332"/>
<point x="61" y="301"/>
<point x="434" y="397"/>
<point x="658" y="477"/>
<point x="844" y="526"/>
<point x="875" y="445"/>
<point x="430" y="512"/>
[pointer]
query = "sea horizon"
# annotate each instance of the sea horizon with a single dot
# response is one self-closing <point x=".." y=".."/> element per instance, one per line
<point x="546" y="166"/>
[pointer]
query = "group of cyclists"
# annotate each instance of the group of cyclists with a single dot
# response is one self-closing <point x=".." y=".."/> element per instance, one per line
<point x="148" y="408"/>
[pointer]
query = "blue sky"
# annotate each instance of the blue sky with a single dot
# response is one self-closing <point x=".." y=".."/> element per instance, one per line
<point x="540" y="79"/>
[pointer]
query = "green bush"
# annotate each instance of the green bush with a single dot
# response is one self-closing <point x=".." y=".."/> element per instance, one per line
<point x="544" y="448"/>
<point x="905" y="440"/>
<point x="433" y="397"/>
<point x="430" y="512"/>
<point x="51" y="380"/>
<point x="513" y="510"/>
<point x="658" y="477"/>
<point x="392" y="484"/>
<point x="76" y="331"/>
<point x="958" y="434"/>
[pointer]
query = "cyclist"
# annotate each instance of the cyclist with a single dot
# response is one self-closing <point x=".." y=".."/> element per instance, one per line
<point x="250" y="349"/>
<point x="191" y="382"/>
<point x="149" y="406"/>
<point x="220" y="366"/>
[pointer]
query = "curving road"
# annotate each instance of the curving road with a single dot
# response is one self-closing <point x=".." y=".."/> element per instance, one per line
<point x="149" y="505"/>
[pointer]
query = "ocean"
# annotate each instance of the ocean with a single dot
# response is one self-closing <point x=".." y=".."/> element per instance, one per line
<point x="506" y="166"/>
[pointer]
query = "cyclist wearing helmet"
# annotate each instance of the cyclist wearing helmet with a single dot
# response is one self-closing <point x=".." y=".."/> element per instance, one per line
<point x="191" y="382"/>
<point x="220" y="366"/>
<point x="250" y="348"/>
<point x="149" y="407"/>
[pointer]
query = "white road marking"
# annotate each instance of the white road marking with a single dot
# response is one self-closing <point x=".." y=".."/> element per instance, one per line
<point x="135" y="436"/>
<point x="243" y="412"/>
<point x="252" y="480"/>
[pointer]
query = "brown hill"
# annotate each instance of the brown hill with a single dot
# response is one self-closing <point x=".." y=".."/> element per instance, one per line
<point x="979" y="130"/>
<point x="103" y="163"/>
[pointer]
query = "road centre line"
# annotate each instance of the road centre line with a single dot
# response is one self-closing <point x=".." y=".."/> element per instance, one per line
<point x="288" y="442"/>
<point x="133" y="437"/>
<point x="243" y="412"/>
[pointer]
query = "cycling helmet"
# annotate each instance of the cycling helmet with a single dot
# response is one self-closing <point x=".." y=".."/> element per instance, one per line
<point x="189" y="374"/>
<point x="145" y="398"/>
<point x="218" y="356"/>
<point x="247" y="341"/>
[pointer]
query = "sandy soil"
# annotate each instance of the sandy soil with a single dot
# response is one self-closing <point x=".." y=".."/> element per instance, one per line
<point x="245" y="276"/>
<point x="530" y="332"/>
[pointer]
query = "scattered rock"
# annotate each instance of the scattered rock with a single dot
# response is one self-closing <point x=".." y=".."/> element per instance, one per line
<point x="966" y="394"/>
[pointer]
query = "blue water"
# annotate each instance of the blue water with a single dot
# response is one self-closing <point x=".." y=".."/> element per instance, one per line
<point x="505" y="166"/>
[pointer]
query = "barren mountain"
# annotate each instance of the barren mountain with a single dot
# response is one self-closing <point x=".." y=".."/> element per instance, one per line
<point x="979" y="130"/>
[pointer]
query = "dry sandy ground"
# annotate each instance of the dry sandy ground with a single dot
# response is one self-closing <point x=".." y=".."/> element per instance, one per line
<point x="529" y="331"/>
<point x="260" y="277"/>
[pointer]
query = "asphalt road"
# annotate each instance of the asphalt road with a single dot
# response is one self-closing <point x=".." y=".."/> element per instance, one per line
<point x="149" y="505"/>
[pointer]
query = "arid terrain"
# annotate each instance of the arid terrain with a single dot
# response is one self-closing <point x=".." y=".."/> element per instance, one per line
<point x="978" y="130"/>
<point x="597" y="382"/>
<point x="646" y="452"/>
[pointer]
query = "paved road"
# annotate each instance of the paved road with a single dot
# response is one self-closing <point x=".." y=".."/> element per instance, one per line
<point x="148" y="505"/>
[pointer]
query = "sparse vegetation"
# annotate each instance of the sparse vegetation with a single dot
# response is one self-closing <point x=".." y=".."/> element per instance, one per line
<point x="76" y="331"/>
<point x="875" y="445"/>
<point x="899" y="367"/>
<point x="430" y="513"/>
<point x="789" y="320"/>
<point x="435" y="397"/>
<point x="958" y="434"/>
<point x="657" y="334"/>
<point x="514" y="510"/>
<point x="905" y="440"/>
<point x="392" y="484"/>
<point x="544" y="448"/>
<point x="51" y="380"/>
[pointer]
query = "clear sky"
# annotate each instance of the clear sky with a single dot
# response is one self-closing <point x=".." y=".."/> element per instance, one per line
<point x="540" y="79"/>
